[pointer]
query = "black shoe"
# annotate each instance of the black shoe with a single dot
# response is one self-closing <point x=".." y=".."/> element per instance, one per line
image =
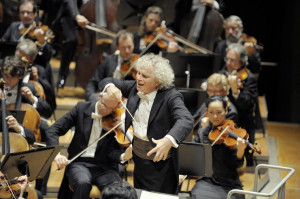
<point x="61" y="82"/>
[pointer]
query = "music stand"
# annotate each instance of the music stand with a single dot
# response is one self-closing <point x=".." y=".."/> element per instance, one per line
<point x="193" y="65"/>
<point x="195" y="159"/>
<point x="18" y="114"/>
<point x="7" y="48"/>
<point x="33" y="163"/>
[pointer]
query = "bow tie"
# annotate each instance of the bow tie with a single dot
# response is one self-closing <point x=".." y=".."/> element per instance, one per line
<point x="143" y="96"/>
<point x="96" y="116"/>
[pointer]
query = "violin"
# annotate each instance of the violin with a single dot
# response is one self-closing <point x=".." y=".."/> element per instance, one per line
<point x="242" y="74"/>
<point x="249" y="39"/>
<point x="30" y="32"/>
<point x="111" y="120"/>
<point x="227" y="133"/>
<point x="127" y="68"/>
<point x="9" y="187"/>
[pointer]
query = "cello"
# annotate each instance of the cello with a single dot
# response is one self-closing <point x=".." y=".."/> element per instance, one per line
<point x="94" y="49"/>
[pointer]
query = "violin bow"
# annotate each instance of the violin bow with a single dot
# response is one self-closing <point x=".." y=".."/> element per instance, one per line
<point x="96" y="28"/>
<point x="220" y="135"/>
<point x="100" y="138"/>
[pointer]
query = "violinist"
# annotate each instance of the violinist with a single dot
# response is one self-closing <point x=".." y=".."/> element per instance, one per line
<point x="99" y="164"/>
<point x="234" y="34"/>
<point x="112" y="65"/>
<point x="243" y="92"/>
<point x="226" y="160"/>
<point x="27" y="14"/>
<point x="22" y="182"/>
<point x="217" y="84"/>
<point x="160" y="122"/>
<point x="151" y="25"/>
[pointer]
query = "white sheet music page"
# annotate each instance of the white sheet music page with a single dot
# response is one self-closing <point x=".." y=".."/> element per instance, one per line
<point x="151" y="195"/>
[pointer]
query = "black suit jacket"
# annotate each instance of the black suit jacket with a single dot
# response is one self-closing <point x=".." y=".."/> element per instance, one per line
<point x="105" y="69"/>
<point x="13" y="34"/>
<point x="168" y="115"/>
<point x="108" y="150"/>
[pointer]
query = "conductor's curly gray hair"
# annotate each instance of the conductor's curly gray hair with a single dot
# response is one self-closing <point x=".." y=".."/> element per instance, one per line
<point x="163" y="71"/>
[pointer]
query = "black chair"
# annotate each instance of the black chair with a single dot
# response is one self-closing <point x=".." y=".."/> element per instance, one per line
<point x="195" y="160"/>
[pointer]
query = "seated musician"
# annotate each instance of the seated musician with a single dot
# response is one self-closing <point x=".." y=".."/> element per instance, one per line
<point x="27" y="14"/>
<point x="217" y="84"/>
<point x="99" y="164"/>
<point x="243" y="92"/>
<point x="226" y="161"/>
<point x="150" y="23"/>
<point x="112" y="64"/>
<point x="22" y="182"/>
<point x="39" y="73"/>
<point x="234" y="34"/>
<point x="12" y="71"/>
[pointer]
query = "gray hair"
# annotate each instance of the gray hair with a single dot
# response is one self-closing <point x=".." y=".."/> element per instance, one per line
<point x="241" y="50"/>
<point x="234" y="18"/>
<point x="163" y="71"/>
<point x="28" y="47"/>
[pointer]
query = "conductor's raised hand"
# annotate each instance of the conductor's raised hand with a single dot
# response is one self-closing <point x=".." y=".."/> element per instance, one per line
<point x="161" y="149"/>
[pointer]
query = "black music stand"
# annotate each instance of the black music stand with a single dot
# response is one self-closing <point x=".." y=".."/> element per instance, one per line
<point x="193" y="65"/>
<point x="7" y="48"/>
<point x="33" y="163"/>
<point x="195" y="159"/>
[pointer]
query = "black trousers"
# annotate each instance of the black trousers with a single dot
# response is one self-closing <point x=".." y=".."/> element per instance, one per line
<point x="82" y="175"/>
<point x="69" y="29"/>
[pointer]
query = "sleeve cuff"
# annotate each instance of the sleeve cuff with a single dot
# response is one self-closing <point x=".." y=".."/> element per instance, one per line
<point x="22" y="131"/>
<point x="216" y="5"/>
<point x="35" y="102"/>
<point x="174" y="143"/>
<point x="122" y="158"/>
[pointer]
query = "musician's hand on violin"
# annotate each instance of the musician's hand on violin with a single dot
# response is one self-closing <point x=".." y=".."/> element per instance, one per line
<point x="241" y="146"/>
<point x="61" y="161"/>
<point x="250" y="47"/>
<point x="34" y="73"/>
<point x="204" y="122"/>
<point x="233" y="82"/>
<point x="128" y="153"/>
<point x="13" y="123"/>
<point x="81" y="21"/>
<point x="172" y="47"/>
<point x="23" y="182"/>
<point x="114" y="92"/>
<point x="208" y="2"/>
<point x="161" y="149"/>
<point x="40" y="35"/>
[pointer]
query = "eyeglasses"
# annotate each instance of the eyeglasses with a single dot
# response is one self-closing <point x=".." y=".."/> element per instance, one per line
<point x="26" y="12"/>
<point x="229" y="59"/>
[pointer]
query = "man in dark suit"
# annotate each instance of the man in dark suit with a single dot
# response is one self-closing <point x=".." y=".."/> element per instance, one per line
<point x="27" y="14"/>
<point x="99" y="164"/>
<point x="243" y="91"/>
<point x="160" y="122"/>
<point x="110" y="67"/>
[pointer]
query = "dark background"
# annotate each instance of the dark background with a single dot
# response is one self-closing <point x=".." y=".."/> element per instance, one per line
<point x="277" y="27"/>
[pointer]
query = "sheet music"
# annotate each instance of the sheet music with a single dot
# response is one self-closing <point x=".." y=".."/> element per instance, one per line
<point x="151" y="195"/>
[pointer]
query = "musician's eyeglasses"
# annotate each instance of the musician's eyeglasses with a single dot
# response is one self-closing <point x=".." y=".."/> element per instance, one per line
<point x="26" y="12"/>
<point x="229" y="60"/>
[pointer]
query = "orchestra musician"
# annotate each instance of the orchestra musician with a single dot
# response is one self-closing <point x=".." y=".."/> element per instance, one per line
<point x="234" y="34"/>
<point x="27" y="14"/>
<point x="151" y="22"/>
<point x="226" y="161"/>
<point x="160" y="122"/>
<point x="243" y="92"/>
<point x="217" y="84"/>
<point x="99" y="164"/>
<point x="112" y="64"/>
<point x="67" y="18"/>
